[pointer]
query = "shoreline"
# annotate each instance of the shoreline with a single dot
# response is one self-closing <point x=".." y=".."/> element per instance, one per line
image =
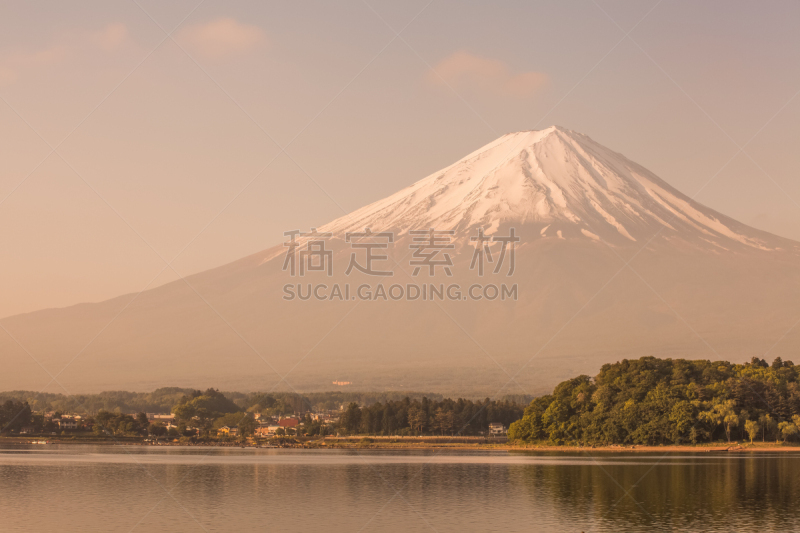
<point x="419" y="443"/>
<point x="718" y="448"/>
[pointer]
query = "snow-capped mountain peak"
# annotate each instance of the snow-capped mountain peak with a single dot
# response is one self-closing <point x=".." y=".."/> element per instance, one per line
<point x="561" y="184"/>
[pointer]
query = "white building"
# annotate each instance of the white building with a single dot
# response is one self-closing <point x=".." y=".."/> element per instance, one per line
<point x="266" y="431"/>
<point x="496" y="429"/>
<point x="66" y="423"/>
<point x="154" y="417"/>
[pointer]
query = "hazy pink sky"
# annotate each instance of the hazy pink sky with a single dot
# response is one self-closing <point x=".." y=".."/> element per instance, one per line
<point x="172" y="150"/>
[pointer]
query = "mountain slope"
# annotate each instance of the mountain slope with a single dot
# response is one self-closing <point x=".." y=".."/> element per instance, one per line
<point x="696" y="284"/>
<point x="557" y="178"/>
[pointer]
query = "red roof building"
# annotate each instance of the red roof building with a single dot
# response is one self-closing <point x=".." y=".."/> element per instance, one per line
<point x="288" y="422"/>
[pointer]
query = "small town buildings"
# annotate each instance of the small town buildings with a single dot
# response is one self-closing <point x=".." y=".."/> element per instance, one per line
<point x="287" y="423"/>
<point x="228" y="430"/>
<point x="496" y="429"/>
<point x="266" y="431"/>
<point x="67" y="423"/>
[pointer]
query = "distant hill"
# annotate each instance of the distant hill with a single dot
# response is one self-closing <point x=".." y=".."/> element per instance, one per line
<point x="164" y="399"/>
<point x="612" y="262"/>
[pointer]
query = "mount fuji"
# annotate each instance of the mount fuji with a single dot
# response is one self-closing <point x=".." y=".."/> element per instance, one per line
<point x="611" y="262"/>
<point x="557" y="181"/>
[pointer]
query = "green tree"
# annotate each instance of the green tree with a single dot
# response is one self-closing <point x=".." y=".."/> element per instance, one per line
<point x="768" y="425"/>
<point x="444" y="420"/>
<point x="116" y="424"/>
<point x="201" y="409"/>
<point x="350" y="420"/>
<point x="656" y="401"/>
<point x="787" y="430"/>
<point x="417" y="418"/>
<point x="752" y="429"/>
<point x="522" y="430"/>
<point x="247" y="426"/>
<point x="731" y="419"/>
<point x="14" y="415"/>
<point x="722" y="413"/>
<point x="682" y="419"/>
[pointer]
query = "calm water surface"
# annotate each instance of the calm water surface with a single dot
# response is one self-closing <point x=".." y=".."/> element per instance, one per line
<point x="134" y="488"/>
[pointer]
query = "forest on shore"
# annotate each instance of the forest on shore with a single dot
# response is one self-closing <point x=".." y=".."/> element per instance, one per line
<point x="646" y="401"/>
<point x="651" y="401"/>
<point x="428" y="417"/>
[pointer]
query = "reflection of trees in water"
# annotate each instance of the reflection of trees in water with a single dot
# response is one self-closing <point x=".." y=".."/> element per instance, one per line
<point x="693" y="492"/>
<point x="707" y="490"/>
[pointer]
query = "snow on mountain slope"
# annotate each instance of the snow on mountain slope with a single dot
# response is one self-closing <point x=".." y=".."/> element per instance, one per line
<point x="561" y="182"/>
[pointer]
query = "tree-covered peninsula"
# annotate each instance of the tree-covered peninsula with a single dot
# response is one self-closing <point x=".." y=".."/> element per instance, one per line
<point x="653" y="401"/>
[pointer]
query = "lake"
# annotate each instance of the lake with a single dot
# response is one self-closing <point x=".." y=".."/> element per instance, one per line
<point x="136" y="488"/>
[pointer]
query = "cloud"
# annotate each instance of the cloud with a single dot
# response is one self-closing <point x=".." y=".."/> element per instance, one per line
<point x="13" y="64"/>
<point x="463" y="69"/>
<point x="222" y="37"/>
<point x="45" y="56"/>
<point x="110" y="37"/>
<point x="70" y="47"/>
